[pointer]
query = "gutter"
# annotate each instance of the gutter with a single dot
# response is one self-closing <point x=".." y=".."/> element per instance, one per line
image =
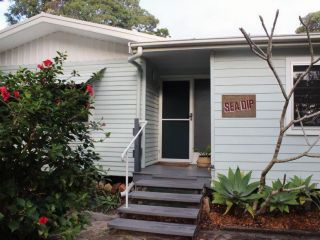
<point x="224" y="43"/>
<point x="132" y="59"/>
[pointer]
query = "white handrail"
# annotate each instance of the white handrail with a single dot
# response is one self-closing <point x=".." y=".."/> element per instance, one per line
<point x="125" y="154"/>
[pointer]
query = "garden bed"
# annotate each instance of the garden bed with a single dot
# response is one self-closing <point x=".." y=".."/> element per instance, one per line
<point x="299" y="220"/>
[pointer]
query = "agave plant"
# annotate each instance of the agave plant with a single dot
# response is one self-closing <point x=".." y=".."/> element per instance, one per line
<point x="308" y="193"/>
<point x="282" y="200"/>
<point x="235" y="189"/>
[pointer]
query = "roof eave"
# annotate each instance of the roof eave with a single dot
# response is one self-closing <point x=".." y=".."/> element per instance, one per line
<point x="224" y="43"/>
<point x="10" y="36"/>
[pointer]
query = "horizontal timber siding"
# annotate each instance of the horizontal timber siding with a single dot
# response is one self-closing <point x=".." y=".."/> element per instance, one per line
<point x="115" y="102"/>
<point x="152" y="116"/>
<point x="249" y="142"/>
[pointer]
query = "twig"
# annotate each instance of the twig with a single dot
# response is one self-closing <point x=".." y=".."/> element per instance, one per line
<point x="304" y="154"/>
<point x="302" y="127"/>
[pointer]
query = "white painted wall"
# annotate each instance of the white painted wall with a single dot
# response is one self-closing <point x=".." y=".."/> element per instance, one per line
<point x="152" y="116"/>
<point x="78" y="48"/>
<point x="249" y="142"/>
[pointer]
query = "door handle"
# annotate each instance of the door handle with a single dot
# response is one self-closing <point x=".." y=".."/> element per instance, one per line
<point x="190" y="116"/>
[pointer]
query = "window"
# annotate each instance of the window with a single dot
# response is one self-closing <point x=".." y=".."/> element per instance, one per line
<point x="307" y="94"/>
<point x="306" y="98"/>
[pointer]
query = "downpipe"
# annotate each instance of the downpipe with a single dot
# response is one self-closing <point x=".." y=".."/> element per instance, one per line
<point x="132" y="59"/>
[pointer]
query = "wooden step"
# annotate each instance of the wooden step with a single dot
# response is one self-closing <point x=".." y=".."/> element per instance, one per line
<point x="169" y="177"/>
<point x="186" y="230"/>
<point x="175" y="212"/>
<point x="170" y="197"/>
<point x="170" y="184"/>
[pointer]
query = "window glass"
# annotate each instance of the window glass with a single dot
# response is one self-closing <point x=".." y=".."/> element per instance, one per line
<point x="307" y="94"/>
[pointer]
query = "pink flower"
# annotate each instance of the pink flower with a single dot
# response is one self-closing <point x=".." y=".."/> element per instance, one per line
<point x="47" y="62"/>
<point x="89" y="89"/>
<point x="5" y="94"/>
<point x="16" y="94"/>
<point x="43" y="220"/>
<point x="40" y="66"/>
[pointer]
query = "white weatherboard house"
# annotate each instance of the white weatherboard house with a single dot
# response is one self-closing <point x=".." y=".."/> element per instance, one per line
<point x="177" y="86"/>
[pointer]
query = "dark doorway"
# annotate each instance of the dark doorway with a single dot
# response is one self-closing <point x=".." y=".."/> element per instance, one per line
<point x="202" y="129"/>
<point x="175" y="119"/>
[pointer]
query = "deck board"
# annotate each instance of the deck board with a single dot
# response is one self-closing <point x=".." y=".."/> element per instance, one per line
<point x="163" y="196"/>
<point x="160" y="211"/>
<point x="182" y="184"/>
<point x="186" y="230"/>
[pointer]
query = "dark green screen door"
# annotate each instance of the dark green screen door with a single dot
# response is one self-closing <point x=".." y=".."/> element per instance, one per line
<point x="175" y="119"/>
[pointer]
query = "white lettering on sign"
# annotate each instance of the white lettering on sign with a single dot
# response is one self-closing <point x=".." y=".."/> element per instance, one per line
<point x="244" y="105"/>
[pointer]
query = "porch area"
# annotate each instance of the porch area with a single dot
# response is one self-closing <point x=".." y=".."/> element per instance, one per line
<point x="166" y="199"/>
<point x="173" y="172"/>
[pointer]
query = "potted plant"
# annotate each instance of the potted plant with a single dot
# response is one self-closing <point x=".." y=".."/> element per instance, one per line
<point x="204" y="159"/>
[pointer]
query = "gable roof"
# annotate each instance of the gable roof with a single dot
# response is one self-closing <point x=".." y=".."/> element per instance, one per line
<point x="44" y="24"/>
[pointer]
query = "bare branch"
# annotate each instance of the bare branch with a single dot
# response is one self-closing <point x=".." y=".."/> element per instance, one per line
<point x="306" y="117"/>
<point x="274" y="23"/>
<point x="304" y="154"/>
<point x="302" y="127"/>
<point x="253" y="46"/>
<point x="299" y="120"/>
<point x="312" y="60"/>
<point x="266" y="56"/>
<point x="275" y="73"/>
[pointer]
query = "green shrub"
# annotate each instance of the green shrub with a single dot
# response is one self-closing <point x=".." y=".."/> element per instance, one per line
<point x="235" y="189"/>
<point x="308" y="193"/>
<point x="45" y="181"/>
<point x="282" y="200"/>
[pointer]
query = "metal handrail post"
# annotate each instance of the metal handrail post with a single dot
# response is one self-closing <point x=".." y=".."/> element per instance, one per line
<point x="125" y="154"/>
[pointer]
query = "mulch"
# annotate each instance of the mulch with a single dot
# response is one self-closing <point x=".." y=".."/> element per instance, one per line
<point x="297" y="219"/>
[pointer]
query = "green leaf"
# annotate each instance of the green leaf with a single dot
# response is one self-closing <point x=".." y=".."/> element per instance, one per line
<point x="286" y="208"/>
<point x="21" y="202"/>
<point x="250" y="210"/>
<point x="302" y="200"/>
<point x="1" y="216"/>
<point x="13" y="225"/>
<point x="229" y="206"/>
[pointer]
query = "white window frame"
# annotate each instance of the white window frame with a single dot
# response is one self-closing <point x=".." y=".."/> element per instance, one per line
<point x="296" y="130"/>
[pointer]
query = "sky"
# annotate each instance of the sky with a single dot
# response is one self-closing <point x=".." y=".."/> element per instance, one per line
<point x="218" y="18"/>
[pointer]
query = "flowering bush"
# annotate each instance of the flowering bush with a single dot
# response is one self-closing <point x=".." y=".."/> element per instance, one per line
<point x="45" y="180"/>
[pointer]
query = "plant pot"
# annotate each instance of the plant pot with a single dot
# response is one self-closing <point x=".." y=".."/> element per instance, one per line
<point x="204" y="162"/>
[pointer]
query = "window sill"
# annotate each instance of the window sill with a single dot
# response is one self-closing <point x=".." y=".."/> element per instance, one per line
<point x="296" y="131"/>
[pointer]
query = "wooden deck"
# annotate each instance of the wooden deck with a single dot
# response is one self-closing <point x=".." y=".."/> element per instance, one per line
<point x="190" y="172"/>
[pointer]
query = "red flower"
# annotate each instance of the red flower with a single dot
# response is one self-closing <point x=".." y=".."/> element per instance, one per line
<point x="89" y="89"/>
<point x="5" y="94"/>
<point x="16" y="94"/>
<point x="47" y="62"/>
<point x="43" y="220"/>
<point x="40" y="66"/>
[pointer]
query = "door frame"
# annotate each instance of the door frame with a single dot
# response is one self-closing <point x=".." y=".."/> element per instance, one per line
<point x="191" y="79"/>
